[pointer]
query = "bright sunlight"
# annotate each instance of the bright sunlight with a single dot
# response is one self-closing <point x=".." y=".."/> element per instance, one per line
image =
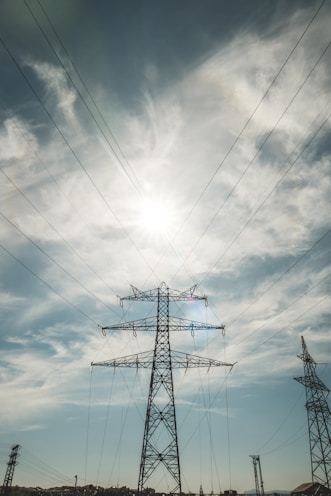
<point x="156" y="217"/>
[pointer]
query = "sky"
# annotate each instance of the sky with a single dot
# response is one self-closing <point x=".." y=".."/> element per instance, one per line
<point x="142" y="142"/>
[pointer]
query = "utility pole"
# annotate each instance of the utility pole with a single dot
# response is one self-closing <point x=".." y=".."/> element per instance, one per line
<point x="258" y="473"/>
<point x="319" y="415"/>
<point x="160" y="439"/>
<point x="5" y="490"/>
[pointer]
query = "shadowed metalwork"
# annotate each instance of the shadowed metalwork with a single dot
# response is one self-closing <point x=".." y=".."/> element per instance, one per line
<point x="318" y="413"/>
<point x="7" y="483"/>
<point x="257" y="475"/>
<point x="160" y="440"/>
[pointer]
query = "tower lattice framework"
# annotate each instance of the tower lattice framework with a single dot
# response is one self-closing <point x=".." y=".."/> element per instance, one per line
<point x="318" y="413"/>
<point x="258" y="475"/>
<point x="11" y="464"/>
<point x="160" y="439"/>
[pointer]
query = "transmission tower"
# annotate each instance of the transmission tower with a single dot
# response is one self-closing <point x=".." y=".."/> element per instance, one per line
<point x="11" y="464"/>
<point x="318" y="413"/>
<point x="258" y="473"/>
<point x="160" y="440"/>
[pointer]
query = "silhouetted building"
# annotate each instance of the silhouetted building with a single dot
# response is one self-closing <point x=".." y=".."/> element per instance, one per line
<point x="311" y="489"/>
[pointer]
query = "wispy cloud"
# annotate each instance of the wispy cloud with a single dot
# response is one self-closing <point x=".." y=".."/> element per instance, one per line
<point x="17" y="140"/>
<point x="58" y="88"/>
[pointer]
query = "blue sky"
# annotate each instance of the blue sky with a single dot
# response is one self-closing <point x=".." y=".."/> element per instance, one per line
<point x="214" y="117"/>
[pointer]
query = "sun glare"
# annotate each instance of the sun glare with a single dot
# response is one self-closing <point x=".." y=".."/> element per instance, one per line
<point x="156" y="217"/>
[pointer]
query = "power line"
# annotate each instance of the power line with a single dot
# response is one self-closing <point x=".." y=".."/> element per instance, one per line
<point x="48" y="285"/>
<point x="67" y="198"/>
<point x="293" y="438"/>
<point x="242" y="131"/>
<point x="61" y="237"/>
<point x="297" y="318"/>
<point x="254" y="157"/>
<point x="267" y="197"/>
<point x="258" y="345"/>
<point x="134" y="184"/>
<point x="74" y="153"/>
<point x="304" y="32"/>
<point x="134" y="181"/>
<point x="259" y="149"/>
<point x="274" y="283"/>
<point x="281" y="424"/>
<point x="257" y="107"/>
<point x="251" y="162"/>
<point x="38" y="468"/>
<point x="54" y="261"/>
<point x="257" y="210"/>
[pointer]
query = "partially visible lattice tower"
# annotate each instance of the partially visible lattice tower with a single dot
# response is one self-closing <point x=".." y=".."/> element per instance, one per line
<point x="258" y="473"/>
<point x="160" y="440"/>
<point x="318" y="413"/>
<point x="11" y="464"/>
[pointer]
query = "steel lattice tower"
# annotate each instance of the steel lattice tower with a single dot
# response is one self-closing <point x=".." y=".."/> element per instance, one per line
<point x="160" y="440"/>
<point x="318" y="413"/>
<point x="5" y="490"/>
<point x="258" y="473"/>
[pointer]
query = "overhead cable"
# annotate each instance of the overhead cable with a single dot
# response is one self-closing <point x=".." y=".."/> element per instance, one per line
<point x="74" y="154"/>
<point x="48" y="285"/>
<point x="246" y="124"/>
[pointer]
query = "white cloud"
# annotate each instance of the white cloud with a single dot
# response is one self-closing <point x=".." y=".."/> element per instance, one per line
<point x="9" y="300"/>
<point x="17" y="140"/>
<point x="57" y="86"/>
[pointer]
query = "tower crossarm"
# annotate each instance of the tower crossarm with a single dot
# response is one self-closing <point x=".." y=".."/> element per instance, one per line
<point x="186" y="361"/>
<point x="175" y="324"/>
<point x="163" y="291"/>
<point x="179" y="360"/>
<point x="137" y="360"/>
<point x="312" y="382"/>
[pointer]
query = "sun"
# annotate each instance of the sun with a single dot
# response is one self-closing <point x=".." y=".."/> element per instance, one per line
<point x="156" y="216"/>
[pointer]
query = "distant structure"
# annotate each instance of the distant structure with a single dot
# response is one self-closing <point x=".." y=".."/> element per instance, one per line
<point x="11" y="464"/>
<point x="311" y="489"/>
<point x="319" y="416"/>
<point x="160" y="441"/>
<point x="258" y="475"/>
